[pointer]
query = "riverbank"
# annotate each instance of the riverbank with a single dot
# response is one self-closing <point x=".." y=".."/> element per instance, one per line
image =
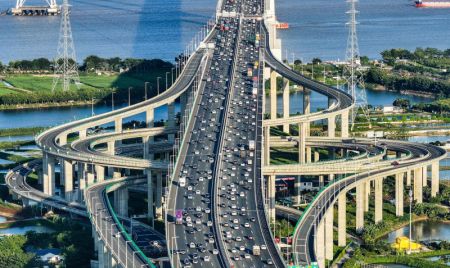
<point x="6" y="107"/>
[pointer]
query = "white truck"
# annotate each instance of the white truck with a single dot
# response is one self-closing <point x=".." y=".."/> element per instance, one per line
<point x="251" y="145"/>
<point x="182" y="181"/>
<point x="256" y="250"/>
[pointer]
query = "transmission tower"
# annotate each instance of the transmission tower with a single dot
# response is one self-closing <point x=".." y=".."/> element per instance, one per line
<point x="352" y="73"/>
<point x="66" y="69"/>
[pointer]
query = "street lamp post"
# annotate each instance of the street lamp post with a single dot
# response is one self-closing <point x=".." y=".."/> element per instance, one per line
<point x="172" y="75"/>
<point x="167" y="83"/>
<point x="410" y="219"/>
<point x="112" y="101"/>
<point x="92" y="107"/>
<point x="157" y="83"/>
<point x="145" y="90"/>
<point x="129" y="96"/>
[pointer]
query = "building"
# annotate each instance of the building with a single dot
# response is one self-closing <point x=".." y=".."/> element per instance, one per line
<point x="49" y="256"/>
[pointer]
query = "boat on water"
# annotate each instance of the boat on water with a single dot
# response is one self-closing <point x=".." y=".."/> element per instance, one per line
<point x="282" y="25"/>
<point x="433" y="3"/>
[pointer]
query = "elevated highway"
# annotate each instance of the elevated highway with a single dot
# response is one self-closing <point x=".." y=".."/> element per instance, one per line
<point x="223" y="189"/>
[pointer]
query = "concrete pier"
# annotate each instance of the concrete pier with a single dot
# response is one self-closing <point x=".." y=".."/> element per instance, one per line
<point x="67" y="177"/>
<point x="320" y="242"/>
<point x="150" y="200"/>
<point x="49" y="174"/>
<point x="273" y="95"/>
<point x="360" y="207"/>
<point x="286" y="104"/>
<point x="302" y="143"/>
<point x="158" y="196"/>
<point x="342" y="219"/>
<point x="434" y="179"/>
<point x="378" y="199"/>
<point x="329" y="215"/>
<point x="271" y="196"/>
<point x="399" y="194"/>
<point x="418" y="190"/>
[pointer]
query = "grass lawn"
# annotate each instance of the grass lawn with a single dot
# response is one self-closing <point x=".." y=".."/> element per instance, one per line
<point x="5" y="90"/>
<point x="33" y="82"/>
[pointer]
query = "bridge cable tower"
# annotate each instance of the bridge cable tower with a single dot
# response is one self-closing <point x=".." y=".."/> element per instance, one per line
<point x="66" y="69"/>
<point x="352" y="73"/>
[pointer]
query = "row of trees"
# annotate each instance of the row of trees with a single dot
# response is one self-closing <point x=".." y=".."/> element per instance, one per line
<point x="417" y="83"/>
<point x="416" y="55"/>
<point x="90" y="64"/>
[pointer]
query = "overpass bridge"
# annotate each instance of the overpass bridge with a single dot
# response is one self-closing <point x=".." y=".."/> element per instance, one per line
<point x="206" y="161"/>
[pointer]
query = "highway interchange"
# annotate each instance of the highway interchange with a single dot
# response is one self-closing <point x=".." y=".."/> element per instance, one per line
<point x="222" y="199"/>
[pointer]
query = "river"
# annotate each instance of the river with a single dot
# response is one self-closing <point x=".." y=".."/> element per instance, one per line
<point x="423" y="231"/>
<point x="162" y="28"/>
<point x="23" y="230"/>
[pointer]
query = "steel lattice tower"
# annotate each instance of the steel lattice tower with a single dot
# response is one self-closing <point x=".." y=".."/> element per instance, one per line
<point x="352" y="72"/>
<point x="66" y="69"/>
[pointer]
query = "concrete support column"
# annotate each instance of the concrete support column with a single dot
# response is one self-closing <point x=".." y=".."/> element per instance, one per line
<point x="434" y="179"/>
<point x="81" y="179"/>
<point x="158" y="195"/>
<point x="424" y="176"/>
<point x="183" y="103"/>
<point x="342" y="219"/>
<point x="100" y="173"/>
<point x="302" y="143"/>
<point x="360" y="207"/>
<point x="308" y="154"/>
<point x="67" y="177"/>
<point x="378" y="199"/>
<point x="111" y="147"/>
<point x="150" y="200"/>
<point x="150" y="117"/>
<point x="82" y="134"/>
<point x="297" y="191"/>
<point x="418" y="190"/>
<point x="267" y="146"/>
<point x="316" y="156"/>
<point x="171" y="119"/>
<point x="329" y="233"/>
<point x="117" y="174"/>
<point x="399" y="194"/>
<point x="332" y="126"/>
<point x="408" y="178"/>
<point x="101" y="250"/>
<point x="306" y="100"/>
<point x="307" y="107"/>
<point x="49" y="174"/>
<point x="320" y="242"/>
<point x="118" y="124"/>
<point x="271" y="197"/>
<point x="273" y="95"/>
<point x="344" y="124"/>
<point x="331" y="177"/>
<point x="367" y="189"/>
<point x="63" y="140"/>
<point x="145" y="144"/>
<point x="90" y="177"/>
<point x="121" y="201"/>
<point x="321" y="181"/>
<point x="286" y="107"/>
